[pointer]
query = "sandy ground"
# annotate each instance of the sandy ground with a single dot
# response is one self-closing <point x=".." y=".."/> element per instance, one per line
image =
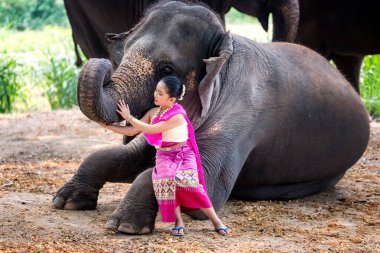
<point x="39" y="152"/>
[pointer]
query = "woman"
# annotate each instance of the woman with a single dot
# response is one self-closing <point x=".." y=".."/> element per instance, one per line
<point x="178" y="175"/>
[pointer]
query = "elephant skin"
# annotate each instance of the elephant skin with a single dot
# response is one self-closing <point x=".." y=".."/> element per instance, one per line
<point x="272" y="121"/>
<point x="90" y="20"/>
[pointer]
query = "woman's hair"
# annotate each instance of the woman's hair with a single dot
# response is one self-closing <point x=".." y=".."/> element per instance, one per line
<point x="175" y="87"/>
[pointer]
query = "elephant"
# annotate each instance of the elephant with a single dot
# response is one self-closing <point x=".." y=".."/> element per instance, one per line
<point x="342" y="31"/>
<point x="90" y="20"/>
<point x="272" y="121"/>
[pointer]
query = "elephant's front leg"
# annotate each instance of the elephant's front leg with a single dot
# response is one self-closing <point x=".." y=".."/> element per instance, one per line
<point x="119" y="164"/>
<point x="137" y="212"/>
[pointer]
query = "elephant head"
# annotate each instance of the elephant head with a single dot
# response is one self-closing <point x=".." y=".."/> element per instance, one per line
<point x="285" y="16"/>
<point x="173" y="38"/>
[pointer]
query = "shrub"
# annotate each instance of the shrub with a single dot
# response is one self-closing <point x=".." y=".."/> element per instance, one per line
<point x="235" y="17"/>
<point x="370" y="84"/>
<point x="10" y="89"/>
<point x="61" y="81"/>
<point x="32" y="14"/>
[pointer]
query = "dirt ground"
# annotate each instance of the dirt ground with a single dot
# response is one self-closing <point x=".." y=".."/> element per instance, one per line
<point x="39" y="152"/>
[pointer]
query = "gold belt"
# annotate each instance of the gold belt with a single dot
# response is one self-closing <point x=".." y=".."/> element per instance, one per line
<point x="171" y="148"/>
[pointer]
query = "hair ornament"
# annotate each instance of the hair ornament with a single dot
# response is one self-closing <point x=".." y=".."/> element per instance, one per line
<point x="183" y="92"/>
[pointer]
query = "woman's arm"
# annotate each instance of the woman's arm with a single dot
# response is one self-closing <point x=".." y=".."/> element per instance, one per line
<point x="160" y="127"/>
<point x="143" y="126"/>
<point x="124" y="130"/>
<point x="127" y="130"/>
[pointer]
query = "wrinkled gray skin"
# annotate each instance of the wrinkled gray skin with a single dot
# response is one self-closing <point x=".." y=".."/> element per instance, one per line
<point x="273" y="121"/>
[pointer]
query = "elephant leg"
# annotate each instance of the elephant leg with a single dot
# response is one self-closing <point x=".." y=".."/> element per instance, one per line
<point x="119" y="164"/>
<point x="349" y="66"/>
<point x="285" y="191"/>
<point x="137" y="212"/>
<point x="221" y="168"/>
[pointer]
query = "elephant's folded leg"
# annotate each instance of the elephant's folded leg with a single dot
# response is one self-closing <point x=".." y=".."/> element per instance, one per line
<point x="286" y="191"/>
<point x="119" y="164"/>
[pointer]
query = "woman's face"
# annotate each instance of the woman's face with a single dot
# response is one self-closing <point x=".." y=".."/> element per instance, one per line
<point x="161" y="96"/>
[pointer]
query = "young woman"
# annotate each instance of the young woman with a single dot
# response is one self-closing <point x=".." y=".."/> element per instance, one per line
<point x="178" y="176"/>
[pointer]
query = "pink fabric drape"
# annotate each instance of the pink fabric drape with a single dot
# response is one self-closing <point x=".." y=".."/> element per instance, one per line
<point x="156" y="139"/>
<point x="178" y="176"/>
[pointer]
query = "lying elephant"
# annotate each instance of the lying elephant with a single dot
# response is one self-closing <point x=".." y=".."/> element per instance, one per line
<point x="273" y="121"/>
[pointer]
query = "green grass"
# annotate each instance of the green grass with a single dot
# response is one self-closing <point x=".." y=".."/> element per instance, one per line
<point x="370" y="84"/>
<point x="45" y="57"/>
<point x="61" y="77"/>
<point x="235" y="17"/>
<point x="247" y="26"/>
<point x="32" y="14"/>
<point x="9" y="86"/>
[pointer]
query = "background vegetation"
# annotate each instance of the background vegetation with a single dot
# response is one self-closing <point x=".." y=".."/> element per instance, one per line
<point x="31" y="14"/>
<point x="37" y="70"/>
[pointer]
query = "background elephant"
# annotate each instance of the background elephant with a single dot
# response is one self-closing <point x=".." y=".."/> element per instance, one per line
<point x="90" y="20"/>
<point x="342" y="31"/>
<point x="273" y="121"/>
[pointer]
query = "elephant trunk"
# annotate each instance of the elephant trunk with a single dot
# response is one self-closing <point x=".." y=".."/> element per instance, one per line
<point x="285" y="19"/>
<point x="96" y="97"/>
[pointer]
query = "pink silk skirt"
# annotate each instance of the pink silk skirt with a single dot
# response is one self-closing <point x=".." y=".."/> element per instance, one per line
<point x="176" y="183"/>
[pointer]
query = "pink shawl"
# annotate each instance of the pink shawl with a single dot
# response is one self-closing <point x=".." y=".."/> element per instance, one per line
<point x="156" y="139"/>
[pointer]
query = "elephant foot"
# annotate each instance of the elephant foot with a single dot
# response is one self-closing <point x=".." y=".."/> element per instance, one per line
<point x="76" y="196"/>
<point x="132" y="222"/>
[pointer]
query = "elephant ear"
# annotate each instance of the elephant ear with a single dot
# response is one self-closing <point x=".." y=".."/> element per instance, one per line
<point x="210" y="84"/>
<point x="116" y="47"/>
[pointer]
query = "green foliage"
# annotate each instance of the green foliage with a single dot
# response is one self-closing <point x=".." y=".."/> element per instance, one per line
<point x="233" y="16"/>
<point x="370" y="84"/>
<point x="45" y="59"/>
<point x="10" y="89"/>
<point x="32" y="14"/>
<point x="61" y="81"/>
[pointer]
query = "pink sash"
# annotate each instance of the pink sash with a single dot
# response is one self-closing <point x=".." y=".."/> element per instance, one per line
<point x="178" y="176"/>
<point x="156" y="139"/>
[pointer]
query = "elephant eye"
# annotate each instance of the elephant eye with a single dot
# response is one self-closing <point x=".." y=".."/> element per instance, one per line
<point x="167" y="70"/>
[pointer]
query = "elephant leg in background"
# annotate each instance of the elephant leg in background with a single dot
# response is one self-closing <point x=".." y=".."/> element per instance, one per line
<point x="137" y="211"/>
<point x="119" y="164"/>
<point x="349" y="66"/>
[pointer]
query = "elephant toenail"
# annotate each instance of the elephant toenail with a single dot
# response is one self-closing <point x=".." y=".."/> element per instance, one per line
<point x="112" y="225"/>
<point x="58" y="202"/>
<point x="126" y="228"/>
<point x="70" y="206"/>
<point x="145" y="230"/>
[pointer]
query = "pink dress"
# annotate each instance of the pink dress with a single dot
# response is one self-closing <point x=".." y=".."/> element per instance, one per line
<point x="178" y="175"/>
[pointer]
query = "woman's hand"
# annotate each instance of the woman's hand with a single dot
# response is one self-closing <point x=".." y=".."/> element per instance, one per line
<point x="123" y="110"/>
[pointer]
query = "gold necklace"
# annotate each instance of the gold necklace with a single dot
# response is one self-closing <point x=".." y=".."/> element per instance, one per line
<point x="160" y="115"/>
